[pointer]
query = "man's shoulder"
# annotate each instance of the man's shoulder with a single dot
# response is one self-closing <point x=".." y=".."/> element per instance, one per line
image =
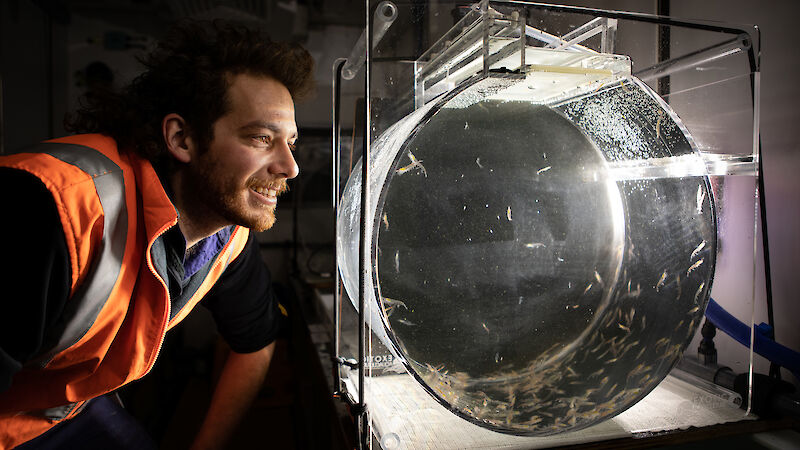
<point x="94" y="140"/>
<point x="96" y="152"/>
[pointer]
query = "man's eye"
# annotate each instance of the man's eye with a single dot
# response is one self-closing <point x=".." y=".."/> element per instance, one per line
<point x="263" y="139"/>
<point x="292" y="146"/>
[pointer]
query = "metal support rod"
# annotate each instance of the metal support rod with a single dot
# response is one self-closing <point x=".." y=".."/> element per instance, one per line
<point x="774" y="369"/>
<point x="486" y="27"/>
<point x="756" y="154"/>
<point x="363" y="264"/>
<point x="362" y="424"/>
<point x="522" y="19"/>
<point x="384" y="16"/>
<point x="336" y="147"/>
<point x="694" y="59"/>
<point x="755" y="67"/>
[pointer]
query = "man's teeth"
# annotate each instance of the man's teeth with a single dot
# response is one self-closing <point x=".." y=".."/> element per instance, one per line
<point x="265" y="191"/>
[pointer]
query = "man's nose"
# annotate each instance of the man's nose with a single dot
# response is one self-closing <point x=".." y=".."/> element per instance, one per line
<point x="284" y="163"/>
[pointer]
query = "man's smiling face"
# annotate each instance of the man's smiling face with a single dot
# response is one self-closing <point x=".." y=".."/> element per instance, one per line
<point x="246" y="165"/>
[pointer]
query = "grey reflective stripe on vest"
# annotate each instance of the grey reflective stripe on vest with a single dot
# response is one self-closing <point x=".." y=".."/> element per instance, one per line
<point x="82" y="309"/>
<point x="56" y="413"/>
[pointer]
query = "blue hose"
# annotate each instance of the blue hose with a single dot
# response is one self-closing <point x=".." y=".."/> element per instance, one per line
<point x="764" y="346"/>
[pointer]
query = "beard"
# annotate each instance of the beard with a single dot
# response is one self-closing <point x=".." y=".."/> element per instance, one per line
<point x="220" y="194"/>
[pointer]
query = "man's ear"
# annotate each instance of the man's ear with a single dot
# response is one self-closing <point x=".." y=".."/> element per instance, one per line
<point x="176" y="137"/>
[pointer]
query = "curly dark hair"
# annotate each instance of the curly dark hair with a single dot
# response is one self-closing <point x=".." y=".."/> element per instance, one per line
<point x="188" y="74"/>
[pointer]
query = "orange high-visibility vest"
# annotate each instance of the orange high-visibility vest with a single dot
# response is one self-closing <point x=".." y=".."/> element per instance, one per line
<point x="112" y="208"/>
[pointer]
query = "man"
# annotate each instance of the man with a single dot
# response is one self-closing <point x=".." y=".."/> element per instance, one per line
<point x="117" y="235"/>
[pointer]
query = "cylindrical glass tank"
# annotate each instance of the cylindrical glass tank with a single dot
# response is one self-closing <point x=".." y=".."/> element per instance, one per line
<point x="538" y="268"/>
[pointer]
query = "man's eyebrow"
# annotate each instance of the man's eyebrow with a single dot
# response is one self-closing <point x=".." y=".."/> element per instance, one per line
<point x="258" y="124"/>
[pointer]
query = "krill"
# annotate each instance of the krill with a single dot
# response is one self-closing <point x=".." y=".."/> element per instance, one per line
<point x="694" y="266"/>
<point x="699" y="290"/>
<point x="701" y="195"/>
<point x="697" y="250"/>
<point x="390" y="305"/>
<point x="631" y="315"/>
<point x="599" y="280"/>
<point x="661" y="281"/>
<point x="415" y="163"/>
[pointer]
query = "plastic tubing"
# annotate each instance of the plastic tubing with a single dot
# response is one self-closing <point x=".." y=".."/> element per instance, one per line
<point x="764" y="346"/>
<point x="383" y="18"/>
